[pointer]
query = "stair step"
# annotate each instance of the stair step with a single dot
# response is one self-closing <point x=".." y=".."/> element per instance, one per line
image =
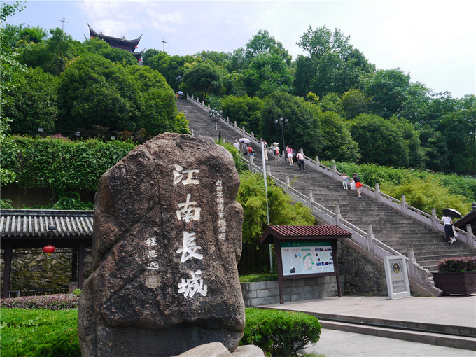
<point x="431" y="338"/>
<point x="388" y="224"/>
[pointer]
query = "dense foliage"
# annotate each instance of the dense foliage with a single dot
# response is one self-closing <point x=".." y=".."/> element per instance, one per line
<point x="31" y="327"/>
<point x="281" y="333"/>
<point x="422" y="189"/>
<point x="61" y="164"/>
<point x="282" y="211"/>
<point x="337" y="104"/>
<point x="457" y="265"/>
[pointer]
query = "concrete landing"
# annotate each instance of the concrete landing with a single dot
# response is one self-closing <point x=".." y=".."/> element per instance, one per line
<point x="444" y="322"/>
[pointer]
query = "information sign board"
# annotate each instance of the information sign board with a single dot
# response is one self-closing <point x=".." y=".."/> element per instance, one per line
<point x="307" y="257"/>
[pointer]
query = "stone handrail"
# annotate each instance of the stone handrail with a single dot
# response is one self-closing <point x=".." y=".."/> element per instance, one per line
<point x="417" y="274"/>
<point x="366" y="240"/>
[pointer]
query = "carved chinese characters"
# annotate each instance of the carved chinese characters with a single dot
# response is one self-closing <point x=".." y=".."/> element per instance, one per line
<point x="188" y="211"/>
<point x="167" y="240"/>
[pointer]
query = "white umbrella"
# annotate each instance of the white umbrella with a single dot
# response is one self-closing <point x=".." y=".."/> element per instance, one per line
<point x="245" y="140"/>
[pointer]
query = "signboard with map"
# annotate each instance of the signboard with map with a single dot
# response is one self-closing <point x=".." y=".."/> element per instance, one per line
<point x="307" y="257"/>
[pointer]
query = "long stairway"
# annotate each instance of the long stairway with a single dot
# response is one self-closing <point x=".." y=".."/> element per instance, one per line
<point x="389" y="225"/>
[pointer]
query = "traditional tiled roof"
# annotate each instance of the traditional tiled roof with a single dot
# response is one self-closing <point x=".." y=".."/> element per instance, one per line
<point x="470" y="219"/>
<point x="305" y="232"/>
<point x="115" y="40"/>
<point x="34" y="223"/>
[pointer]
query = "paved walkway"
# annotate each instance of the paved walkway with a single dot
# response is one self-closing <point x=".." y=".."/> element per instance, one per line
<point x="335" y="343"/>
<point x="453" y="312"/>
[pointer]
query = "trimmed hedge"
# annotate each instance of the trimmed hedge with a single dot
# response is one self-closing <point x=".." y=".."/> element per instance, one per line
<point x="281" y="333"/>
<point x="61" y="164"/>
<point x="30" y="328"/>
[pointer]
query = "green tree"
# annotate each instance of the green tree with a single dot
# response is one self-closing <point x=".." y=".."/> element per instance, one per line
<point x="219" y="58"/>
<point x="426" y="194"/>
<point x="158" y="111"/>
<point x="203" y="78"/>
<point x="266" y="74"/>
<point x="32" y="102"/>
<point x="263" y="43"/>
<point x="244" y="110"/>
<point x="337" y="141"/>
<point x="95" y="91"/>
<point x="333" y="64"/>
<point x="51" y="54"/>
<point x="98" y="46"/>
<point x="252" y="197"/>
<point x="416" y="157"/>
<point x="354" y="102"/>
<point x="171" y="67"/>
<point x="435" y="149"/>
<point x="379" y="141"/>
<point x="148" y="54"/>
<point x="302" y="129"/>
<point x="9" y="69"/>
<point x="459" y="128"/>
<point x="389" y="90"/>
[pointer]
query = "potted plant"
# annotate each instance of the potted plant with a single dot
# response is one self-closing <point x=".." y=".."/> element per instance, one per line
<point x="456" y="276"/>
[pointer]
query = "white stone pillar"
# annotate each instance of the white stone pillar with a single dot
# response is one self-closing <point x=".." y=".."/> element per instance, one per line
<point x="370" y="240"/>
<point x="434" y="219"/>
<point x="377" y="192"/>
<point x="470" y="237"/>
<point x="403" y="205"/>
<point x="334" y="170"/>
<point x="338" y="216"/>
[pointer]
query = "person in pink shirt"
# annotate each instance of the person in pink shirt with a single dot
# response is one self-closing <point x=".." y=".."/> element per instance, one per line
<point x="289" y="152"/>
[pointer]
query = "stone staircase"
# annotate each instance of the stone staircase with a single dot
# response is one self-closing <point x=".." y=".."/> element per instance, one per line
<point x="389" y="226"/>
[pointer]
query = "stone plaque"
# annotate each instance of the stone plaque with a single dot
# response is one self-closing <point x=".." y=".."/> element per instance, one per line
<point x="397" y="277"/>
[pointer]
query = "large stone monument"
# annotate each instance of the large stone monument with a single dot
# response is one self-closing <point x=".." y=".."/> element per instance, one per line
<point x="166" y="243"/>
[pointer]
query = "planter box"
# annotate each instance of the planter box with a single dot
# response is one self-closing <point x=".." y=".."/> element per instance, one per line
<point x="456" y="283"/>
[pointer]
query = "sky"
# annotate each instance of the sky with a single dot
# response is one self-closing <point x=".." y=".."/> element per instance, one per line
<point x="433" y="41"/>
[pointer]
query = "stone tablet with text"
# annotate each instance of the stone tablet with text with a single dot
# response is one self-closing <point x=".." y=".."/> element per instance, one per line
<point x="166" y="243"/>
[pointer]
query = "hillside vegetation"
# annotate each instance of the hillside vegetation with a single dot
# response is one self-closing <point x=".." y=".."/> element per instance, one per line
<point x="338" y="106"/>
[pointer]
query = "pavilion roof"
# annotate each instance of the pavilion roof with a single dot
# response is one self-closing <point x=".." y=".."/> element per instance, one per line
<point x="16" y="223"/>
<point x="116" y="40"/>
<point x="303" y="232"/>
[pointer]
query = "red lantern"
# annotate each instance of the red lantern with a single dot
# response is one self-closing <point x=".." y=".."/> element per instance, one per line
<point x="49" y="249"/>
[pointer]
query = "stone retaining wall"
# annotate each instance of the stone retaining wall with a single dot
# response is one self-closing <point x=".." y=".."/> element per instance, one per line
<point x="363" y="273"/>
<point x="267" y="292"/>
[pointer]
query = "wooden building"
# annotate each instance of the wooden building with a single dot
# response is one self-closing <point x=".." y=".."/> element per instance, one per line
<point x="29" y="228"/>
<point x="121" y="43"/>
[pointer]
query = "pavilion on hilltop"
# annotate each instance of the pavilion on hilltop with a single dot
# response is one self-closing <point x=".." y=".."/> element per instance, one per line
<point x="121" y="43"/>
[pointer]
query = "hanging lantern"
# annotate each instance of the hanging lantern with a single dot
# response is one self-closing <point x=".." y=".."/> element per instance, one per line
<point x="49" y="249"/>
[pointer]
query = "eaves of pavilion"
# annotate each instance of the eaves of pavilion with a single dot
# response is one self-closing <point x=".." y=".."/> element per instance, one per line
<point x="28" y="228"/>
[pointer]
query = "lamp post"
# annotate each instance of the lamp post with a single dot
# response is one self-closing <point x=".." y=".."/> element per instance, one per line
<point x="282" y="122"/>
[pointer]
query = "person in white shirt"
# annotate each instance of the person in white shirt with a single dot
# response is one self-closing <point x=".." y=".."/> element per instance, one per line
<point x="236" y="144"/>
<point x="449" y="232"/>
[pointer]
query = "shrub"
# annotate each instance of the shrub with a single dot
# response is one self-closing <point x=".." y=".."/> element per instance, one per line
<point x="251" y="278"/>
<point x="457" y="265"/>
<point x="281" y="333"/>
<point x="49" y="302"/>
